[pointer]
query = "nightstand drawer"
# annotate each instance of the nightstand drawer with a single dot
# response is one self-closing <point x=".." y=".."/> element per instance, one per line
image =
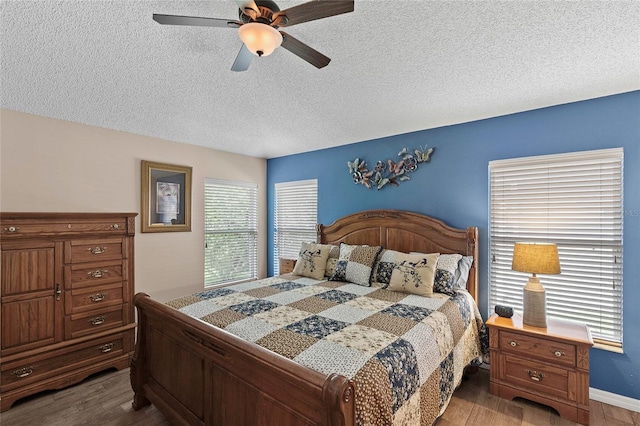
<point x="537" y="377"/>
<point x="530" y="346"/>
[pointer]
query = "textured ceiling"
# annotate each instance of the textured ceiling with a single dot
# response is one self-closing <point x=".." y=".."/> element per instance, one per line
<point x="397" y="67"/>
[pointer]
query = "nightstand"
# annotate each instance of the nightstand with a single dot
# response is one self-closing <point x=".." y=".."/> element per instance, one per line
<point x="547" y="365"/>
<point x="287" y="265"/>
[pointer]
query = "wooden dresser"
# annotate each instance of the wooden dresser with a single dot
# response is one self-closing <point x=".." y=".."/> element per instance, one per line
<point x="547" y="365"/>
<point x="67" y="285"/>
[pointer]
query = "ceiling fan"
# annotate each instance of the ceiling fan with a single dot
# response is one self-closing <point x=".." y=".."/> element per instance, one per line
<point x="259" y="23"/>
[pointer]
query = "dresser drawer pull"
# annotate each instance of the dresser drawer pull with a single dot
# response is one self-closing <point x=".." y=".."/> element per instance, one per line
<point x="115" y="226"/>
<point x="98" y="273"/>
<point x="558" y="353"/>
<point x="11" y="229"/>
<point x="106" y="348"/>
<point x="97" y="250"/>
<point x="97" y="320"/>
<point x="513" y="343"/>
<point x="535" y="376"/>
<point x="97" y="297"/>
<point x="23" y="372"/>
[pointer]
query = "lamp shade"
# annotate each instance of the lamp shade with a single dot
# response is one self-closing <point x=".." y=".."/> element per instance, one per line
<point x="536" y="258"/>
<point x="260" y="39"/>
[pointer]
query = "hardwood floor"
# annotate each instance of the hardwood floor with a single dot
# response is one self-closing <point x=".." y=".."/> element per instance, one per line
<point x="103" y="399"/>
<point x="106" y="400"/>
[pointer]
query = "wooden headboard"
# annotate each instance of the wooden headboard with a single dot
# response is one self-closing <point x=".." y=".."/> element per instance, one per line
<point x="406" y="232"/>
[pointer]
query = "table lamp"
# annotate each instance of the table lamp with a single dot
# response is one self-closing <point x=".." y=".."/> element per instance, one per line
<point x="535" y="258"/>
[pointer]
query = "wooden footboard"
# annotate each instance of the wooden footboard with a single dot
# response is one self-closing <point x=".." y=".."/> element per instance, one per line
<point x="201" y="375"/>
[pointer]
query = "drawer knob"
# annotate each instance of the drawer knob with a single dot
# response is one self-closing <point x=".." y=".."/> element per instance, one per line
<point x="11" y="229"/>
<point x="97" y="320"/>
<point x="97" y="250"/>
<point x="98" y="273"/>
<point x="106" y="348"/>
<point x="99" y="297"/>
<point x="535" y="375"/>
<point x="115" y="226"/>
<point x="513" y="343"/>
<point x="558" y="353"/>
<point x="23" y="372"/>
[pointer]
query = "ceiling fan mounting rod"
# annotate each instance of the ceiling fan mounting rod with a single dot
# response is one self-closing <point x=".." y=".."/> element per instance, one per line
<point x="264" y="14"/>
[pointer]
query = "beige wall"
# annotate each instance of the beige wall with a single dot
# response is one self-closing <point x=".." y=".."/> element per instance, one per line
<point x="50" y="165"/>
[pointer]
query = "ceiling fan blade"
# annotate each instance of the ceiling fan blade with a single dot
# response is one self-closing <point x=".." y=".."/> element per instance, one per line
<point x="311" y="11"/>
<point x="305" y="52"/>
<point x="195" y="21"/>
<point x="243" y="60"/>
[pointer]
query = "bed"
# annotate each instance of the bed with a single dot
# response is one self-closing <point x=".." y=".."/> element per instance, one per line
<point x="202" y="374"/>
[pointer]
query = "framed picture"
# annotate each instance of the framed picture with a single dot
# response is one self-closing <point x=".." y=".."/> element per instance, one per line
<point x="166" y="197"/>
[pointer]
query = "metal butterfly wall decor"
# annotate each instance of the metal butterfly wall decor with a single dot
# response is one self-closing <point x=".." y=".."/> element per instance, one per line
<point x="389" y="172"/>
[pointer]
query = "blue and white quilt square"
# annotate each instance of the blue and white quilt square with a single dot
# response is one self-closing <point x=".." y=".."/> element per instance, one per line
<point x="337" y="296"/>
<point x="253" y="307"/>
<point x="316" y="326"/>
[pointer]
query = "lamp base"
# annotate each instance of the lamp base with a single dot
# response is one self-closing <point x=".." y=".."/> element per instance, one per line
<point x="534" y="304"/>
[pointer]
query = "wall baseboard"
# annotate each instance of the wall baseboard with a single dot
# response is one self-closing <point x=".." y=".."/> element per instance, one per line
<point x="615" y="399"/>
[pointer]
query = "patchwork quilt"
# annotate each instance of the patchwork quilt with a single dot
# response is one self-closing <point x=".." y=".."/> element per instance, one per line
<point x="405" y="353"/>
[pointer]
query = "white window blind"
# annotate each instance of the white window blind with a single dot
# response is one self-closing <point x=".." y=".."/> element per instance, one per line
<point x="231" y="231"/>
<point x="295" y="218"/>
<point x="575" y="201"/>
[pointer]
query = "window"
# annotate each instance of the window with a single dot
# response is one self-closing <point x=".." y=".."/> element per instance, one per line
<point x="575" y="201"/>
<point x="230" y="231"/>
<point x="295" y="218"/>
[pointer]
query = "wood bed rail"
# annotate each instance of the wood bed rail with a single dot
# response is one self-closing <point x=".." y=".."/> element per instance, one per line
<point x="201" y="375"/>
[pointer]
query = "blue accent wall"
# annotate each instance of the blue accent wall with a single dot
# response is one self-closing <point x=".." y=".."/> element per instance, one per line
<point x="454" y="187"/>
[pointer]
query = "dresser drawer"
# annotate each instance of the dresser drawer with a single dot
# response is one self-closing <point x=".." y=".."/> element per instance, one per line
<point x="22" y="372"/>
<point x="28" y="227"/>
<point x="91" y="298"/>
<point x="531" y="346"/>
<point x="78" y="251"/>
<point x="538" y="377"/>
<point x="82" y="275"/>
<point x="78" y="325"/>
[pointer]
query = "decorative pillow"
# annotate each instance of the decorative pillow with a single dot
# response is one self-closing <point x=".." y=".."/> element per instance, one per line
<point x="331" y="267"/>
<point x="383" y="268"/>
<point x="355" y="264"/>
<point x="332" y="261"/>
<point x="312" y="260"/>
<point x="462" y="272"/>
<point x="444" y="281"/>
<point x="414" y="273"/>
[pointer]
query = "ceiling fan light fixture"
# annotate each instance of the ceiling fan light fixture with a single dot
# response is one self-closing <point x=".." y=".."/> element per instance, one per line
<point x="260" y="39"/>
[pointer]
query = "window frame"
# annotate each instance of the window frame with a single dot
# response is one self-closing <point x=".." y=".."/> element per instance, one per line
<point x="297" y="233"/>
<point x="244" y="195"/>
<point x="587" y="230"/>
